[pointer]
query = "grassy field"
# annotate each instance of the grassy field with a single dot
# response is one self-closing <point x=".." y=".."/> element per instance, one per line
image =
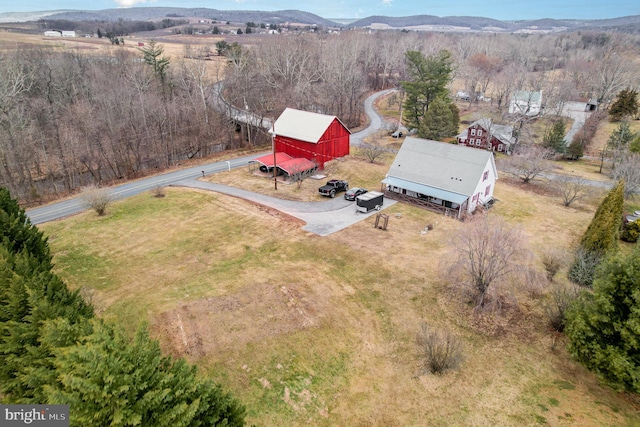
<point x="310" y="330"/>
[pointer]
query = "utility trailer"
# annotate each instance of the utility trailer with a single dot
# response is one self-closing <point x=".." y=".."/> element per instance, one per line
<point x="369" y="201"/>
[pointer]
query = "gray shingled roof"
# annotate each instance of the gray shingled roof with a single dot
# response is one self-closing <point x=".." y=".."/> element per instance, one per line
<point x="302" y="125"/>
<point x="441" y="165"/>
<point x="503" y="132"/>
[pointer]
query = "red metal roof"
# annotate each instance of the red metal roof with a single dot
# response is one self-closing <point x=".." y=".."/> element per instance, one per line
<point x="268" y="159"/>
<point x="287" y="163"/>
<point x="296" y="165"/>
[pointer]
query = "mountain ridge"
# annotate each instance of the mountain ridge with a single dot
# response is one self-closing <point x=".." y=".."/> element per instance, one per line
<point x="415" y="22"/>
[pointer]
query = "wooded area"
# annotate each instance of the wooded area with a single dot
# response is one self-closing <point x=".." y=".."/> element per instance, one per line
<point x="70" y="119"/>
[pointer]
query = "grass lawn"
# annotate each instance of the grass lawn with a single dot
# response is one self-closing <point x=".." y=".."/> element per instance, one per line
<point x="310" y="330"/>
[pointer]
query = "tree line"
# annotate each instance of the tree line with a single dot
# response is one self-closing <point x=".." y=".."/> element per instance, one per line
<point x="69" y="119"/>
<point x="54" y="350"/>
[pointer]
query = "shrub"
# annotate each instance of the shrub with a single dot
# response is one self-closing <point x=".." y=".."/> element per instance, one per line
<point x="631" y="232"/>
<point x="158" y="191"/>
<point x="553" y="260"/>
<point x="440" y="349"/>
<point x="559" y="301"/>
<point x="96" y="198"/>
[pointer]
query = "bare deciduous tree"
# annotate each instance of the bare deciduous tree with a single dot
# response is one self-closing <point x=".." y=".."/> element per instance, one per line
<point x="569" y="188"/>
<point x="528" y="163"/>
<point x="487" y="252"/>
<point x="372" y="150"/>
<point x="628" y="169"/>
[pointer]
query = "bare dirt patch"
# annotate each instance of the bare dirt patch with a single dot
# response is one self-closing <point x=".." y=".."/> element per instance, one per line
<point x="255" y="313"/>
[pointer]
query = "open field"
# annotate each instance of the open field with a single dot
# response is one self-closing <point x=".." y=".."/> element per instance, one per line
<point x="310" y="330"/>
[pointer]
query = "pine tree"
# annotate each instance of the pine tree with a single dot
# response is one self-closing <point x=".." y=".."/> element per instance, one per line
<point x="429" y="77"/>
<point x="575" y="150"/>
<point x="110" y="380"/>
<point x="604" y="327"/>
<point x="625" y="106"/>
<point x="17" y="233"/>
<point x="554" y="137"/>
<point x="600" y="238"/>
<point x="438" y="121"/>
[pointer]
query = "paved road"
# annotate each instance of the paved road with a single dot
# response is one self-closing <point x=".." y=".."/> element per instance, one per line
<point x="321" y="218"/>
<point x="76" y="205"/>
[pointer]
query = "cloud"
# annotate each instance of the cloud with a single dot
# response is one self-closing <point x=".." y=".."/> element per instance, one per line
<point x="387" y="2"/>
<point x="131" y="3"/>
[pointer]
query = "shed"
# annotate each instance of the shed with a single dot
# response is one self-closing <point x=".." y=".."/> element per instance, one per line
<point x="444" y="177"/>
<point x="313" y="136"/>
<point x="290" y="166"/>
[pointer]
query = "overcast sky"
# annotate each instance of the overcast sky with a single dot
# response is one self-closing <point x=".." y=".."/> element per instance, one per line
<point x="356" y="9"/>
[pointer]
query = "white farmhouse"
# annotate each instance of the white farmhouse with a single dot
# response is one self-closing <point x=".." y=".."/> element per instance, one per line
<point x="443" y="177"/>
<point x="526" y="103"/>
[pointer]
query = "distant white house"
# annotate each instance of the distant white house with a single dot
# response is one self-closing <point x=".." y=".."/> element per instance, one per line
<point x="56" y="33"/>
<point x="439" y="176"/>
<point x="526" y="103"/>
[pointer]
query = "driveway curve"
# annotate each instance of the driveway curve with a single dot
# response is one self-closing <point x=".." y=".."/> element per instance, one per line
<point x="321" y="218"/>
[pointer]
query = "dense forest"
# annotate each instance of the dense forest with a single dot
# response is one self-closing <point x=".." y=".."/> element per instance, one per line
<point x="70" y="119"/>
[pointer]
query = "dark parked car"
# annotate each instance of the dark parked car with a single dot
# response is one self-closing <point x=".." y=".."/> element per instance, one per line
<point x="354" y="192"/>
<point x="333" y="186"/>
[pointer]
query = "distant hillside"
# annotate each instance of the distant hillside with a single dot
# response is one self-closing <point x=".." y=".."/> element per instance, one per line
<point x="629" y="24"/>
<point x="155" y="13"/>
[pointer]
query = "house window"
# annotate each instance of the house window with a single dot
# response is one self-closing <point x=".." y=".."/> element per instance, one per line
<point x="479" y="132"/>
<point x="486" y="191"/>
<point x="485" y="176"/>
<point x="475" y="197"/>
<point x="499" y="147"/>
<point x="473" y="132"/>
<point x="478" y="141"/>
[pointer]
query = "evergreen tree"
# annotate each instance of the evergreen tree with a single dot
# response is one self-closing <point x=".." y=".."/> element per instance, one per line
<point x="429" y="77"/>
<point x="621" y="137"/>
<point x="619" y="142"/>
<point x="554" y="137"/>
<point x="575" y="150"/>
<point x="17" y="234"/>
<point x="152" y="55"/>
<point x="53" y="351"/>
<point x="111" y="380"/>
<point x="603" y="327"/>
<point x="625" y="106"/>
<point x="438" y="121"/>
<point x="600" y="238"/>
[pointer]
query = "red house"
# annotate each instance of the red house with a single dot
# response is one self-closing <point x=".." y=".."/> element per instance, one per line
<point x="313" y="136"/>
<point x="487" y="135"/>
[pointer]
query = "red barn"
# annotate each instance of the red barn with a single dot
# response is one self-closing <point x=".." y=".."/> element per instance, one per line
<point x="313" y="136"/>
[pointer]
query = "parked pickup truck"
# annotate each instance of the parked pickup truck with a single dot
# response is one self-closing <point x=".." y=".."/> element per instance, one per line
<point x="333" y="186"/>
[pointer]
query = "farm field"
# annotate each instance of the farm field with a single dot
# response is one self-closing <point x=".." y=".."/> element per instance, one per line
<point x="310" y="330"/>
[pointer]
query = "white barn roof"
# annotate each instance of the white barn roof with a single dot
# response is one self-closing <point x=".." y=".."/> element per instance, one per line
<point x="302" y="125"/>
<point x="440" y="165"/>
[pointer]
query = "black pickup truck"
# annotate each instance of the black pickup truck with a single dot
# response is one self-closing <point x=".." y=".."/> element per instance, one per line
<point x="333" y="186"/>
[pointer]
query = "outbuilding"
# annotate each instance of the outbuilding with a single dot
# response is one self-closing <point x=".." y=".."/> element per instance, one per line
<point x="313" y="136"/>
